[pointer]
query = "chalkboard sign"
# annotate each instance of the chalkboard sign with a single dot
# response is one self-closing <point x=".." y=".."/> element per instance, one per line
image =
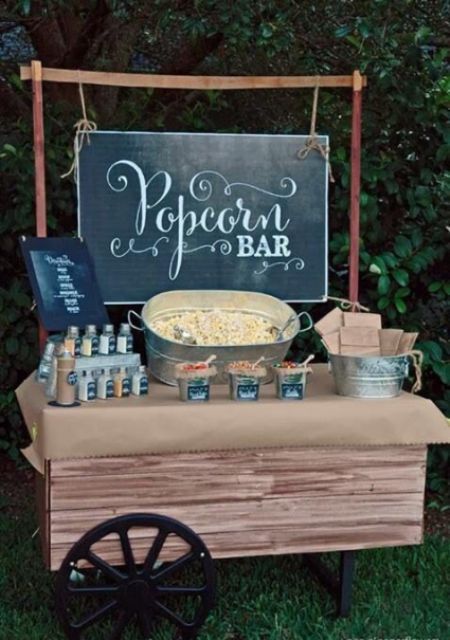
<point x="63" y="281"/>
<point x="164" y="211"/>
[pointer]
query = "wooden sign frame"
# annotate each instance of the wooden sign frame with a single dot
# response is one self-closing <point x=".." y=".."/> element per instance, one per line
<point x="38" y="74"/>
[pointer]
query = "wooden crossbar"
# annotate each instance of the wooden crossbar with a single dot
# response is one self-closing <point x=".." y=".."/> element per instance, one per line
<point x="156" y="81"/>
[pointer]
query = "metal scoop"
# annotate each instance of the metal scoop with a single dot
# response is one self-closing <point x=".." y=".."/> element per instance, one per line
<point x="184" y="336"/>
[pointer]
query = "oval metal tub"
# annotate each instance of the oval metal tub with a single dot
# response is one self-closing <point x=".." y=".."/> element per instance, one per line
<point x="369" y="376"/>
<point x="163" y="355"/>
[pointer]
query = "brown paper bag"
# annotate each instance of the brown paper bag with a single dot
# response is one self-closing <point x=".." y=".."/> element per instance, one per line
<point x="330" y="323"/>
<point x="362" y="320"/>
<point x="407" y="342"/>
<point x="359" y="340"/>
<point x="332" y="342"/>
<point x="389" y="341"/>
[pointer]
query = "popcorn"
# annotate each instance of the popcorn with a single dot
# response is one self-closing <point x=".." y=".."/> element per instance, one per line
<point x="216" y="327"/>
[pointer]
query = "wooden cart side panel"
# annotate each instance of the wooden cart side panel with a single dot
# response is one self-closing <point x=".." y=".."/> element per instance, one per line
<point x="43" y="511"/>
<point x="248" y="502"/>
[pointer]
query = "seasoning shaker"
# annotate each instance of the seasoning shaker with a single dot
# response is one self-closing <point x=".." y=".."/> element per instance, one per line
<point x="72" y="341"/>
<point x="105" y="385"/>
<point x="44" y="369"/>
<point x="87" y="388"/>
<point x="90" y="341"/>
<point x="107" y="340"/>
<point x="124" y="339"/>
<point x="66" y="379"/>
<point x="139" y="386"/>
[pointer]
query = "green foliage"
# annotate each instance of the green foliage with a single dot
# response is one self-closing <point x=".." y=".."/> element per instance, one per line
<point x="405" y="181"/>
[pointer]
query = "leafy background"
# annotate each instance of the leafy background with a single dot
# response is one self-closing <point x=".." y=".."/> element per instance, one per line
<point x="403" y="49"/>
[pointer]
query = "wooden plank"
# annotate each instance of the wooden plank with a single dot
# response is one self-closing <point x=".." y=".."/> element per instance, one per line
<point x="271" y="527"/>
<point x="243" y="461"/>
<point x="355" y="186"/>
<point x="251" y="543"/>
<point x="148" y="491"/>
<point x="156" y="81"/>
<point x="43" y="512"/>
<point x="39" y="152"/>
<point x="249" y="502"/>
<point x="39" y="163"/>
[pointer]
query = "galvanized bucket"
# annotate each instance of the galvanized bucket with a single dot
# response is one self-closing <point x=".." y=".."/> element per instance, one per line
<point x="163" y="354"/>
<point x="369" y="376"/>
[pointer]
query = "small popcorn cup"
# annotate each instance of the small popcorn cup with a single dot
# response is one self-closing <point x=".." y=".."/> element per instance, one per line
<point x="194" y="380"/>
<point x="290" y="380"/>
<point x="245" y="380"/>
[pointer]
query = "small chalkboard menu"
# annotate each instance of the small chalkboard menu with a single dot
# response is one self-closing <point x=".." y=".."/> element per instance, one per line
<point x="64" y="284"/>
<point x="164" y="211"/>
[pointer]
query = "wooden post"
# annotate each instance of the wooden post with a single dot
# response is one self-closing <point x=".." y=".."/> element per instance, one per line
<point x="355" y="187"/>
<point x="39" y="162"/>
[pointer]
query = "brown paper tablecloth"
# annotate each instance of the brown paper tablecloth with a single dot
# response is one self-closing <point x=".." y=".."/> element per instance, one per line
<point x="160" y="423"/>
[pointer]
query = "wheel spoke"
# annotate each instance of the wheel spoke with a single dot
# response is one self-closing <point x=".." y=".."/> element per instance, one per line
<point x="104" y="566"/>
<point x="154" y="551"/>
<point x="181" y="591"/>
<point x="127" y="552"/>
<point x="174" y="566"/>
<point x="172" y="616"/>
<point x="98" y="615"/>
<point x="92" y="591"/>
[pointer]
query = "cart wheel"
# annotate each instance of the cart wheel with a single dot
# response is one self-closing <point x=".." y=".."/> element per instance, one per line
<point x="114" y="597"/>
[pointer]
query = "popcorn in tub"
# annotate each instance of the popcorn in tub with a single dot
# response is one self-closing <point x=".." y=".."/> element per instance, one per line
<point x="290" y="379"/>
<point x="245" y="378"/>
<point x="215" y="327"/>
<point x="193" y="380"/>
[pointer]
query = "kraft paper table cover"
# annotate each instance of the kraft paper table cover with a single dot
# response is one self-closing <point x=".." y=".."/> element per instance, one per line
<point x="160" y="423"/>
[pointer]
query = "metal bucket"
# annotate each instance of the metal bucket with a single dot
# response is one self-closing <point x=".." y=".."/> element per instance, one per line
<point x="163" y="354"/>
<point x="369" y="376"/>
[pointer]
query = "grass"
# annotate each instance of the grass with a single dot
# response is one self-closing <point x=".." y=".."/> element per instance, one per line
<point x="401" y="593"/>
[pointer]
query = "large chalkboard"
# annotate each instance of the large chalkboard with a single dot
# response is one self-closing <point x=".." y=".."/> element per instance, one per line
<point x="164" y="211"/>
<point x="63" y="280"/>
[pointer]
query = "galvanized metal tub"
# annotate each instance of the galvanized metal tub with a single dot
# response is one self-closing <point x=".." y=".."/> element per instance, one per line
<point x="163" y="355"/>
<point x="369" y="376"/>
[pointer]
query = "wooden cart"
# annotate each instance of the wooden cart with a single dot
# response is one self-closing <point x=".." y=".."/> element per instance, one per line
<point x="139" y="532"/>
<point x="133" y="533"/>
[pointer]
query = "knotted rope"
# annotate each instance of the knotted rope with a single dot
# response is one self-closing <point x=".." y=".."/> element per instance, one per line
<point x="312" y="142"/>
<point x="82" y="129"/>
<point x="417" y="358"/>
<point x="348" y="305"/>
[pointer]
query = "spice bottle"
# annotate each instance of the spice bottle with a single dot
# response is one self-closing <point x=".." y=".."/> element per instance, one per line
<point x="90" y="342"/>
<point x="87" y="388"/>
<point x="50" y="385"/>
<point x="105" y="386"/>
<point x="66" y="379"/>
<point x="45" y="365"/>
<point x="139" y="385"/>
<point x="107" y="340"/>
<point x="72" y="341"/>
<point x="122" y="383"/>
<point x="124" y="339"/>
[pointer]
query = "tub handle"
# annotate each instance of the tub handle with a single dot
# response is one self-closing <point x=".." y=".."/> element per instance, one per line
<point x="132" y="313"/>
<point x="310" y="321"/>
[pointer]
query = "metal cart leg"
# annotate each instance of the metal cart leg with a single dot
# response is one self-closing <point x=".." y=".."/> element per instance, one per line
<point x="340" y="588"/>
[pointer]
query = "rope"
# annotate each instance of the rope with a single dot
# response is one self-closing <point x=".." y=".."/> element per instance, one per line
<point x="348" y="304"/>
<point x="417" y="358"/>
<point x="312" y="142"/>
<point x="82" y="129"/>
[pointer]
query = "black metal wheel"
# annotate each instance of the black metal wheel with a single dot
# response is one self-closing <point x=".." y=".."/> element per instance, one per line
<point x="173" y="584"/>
